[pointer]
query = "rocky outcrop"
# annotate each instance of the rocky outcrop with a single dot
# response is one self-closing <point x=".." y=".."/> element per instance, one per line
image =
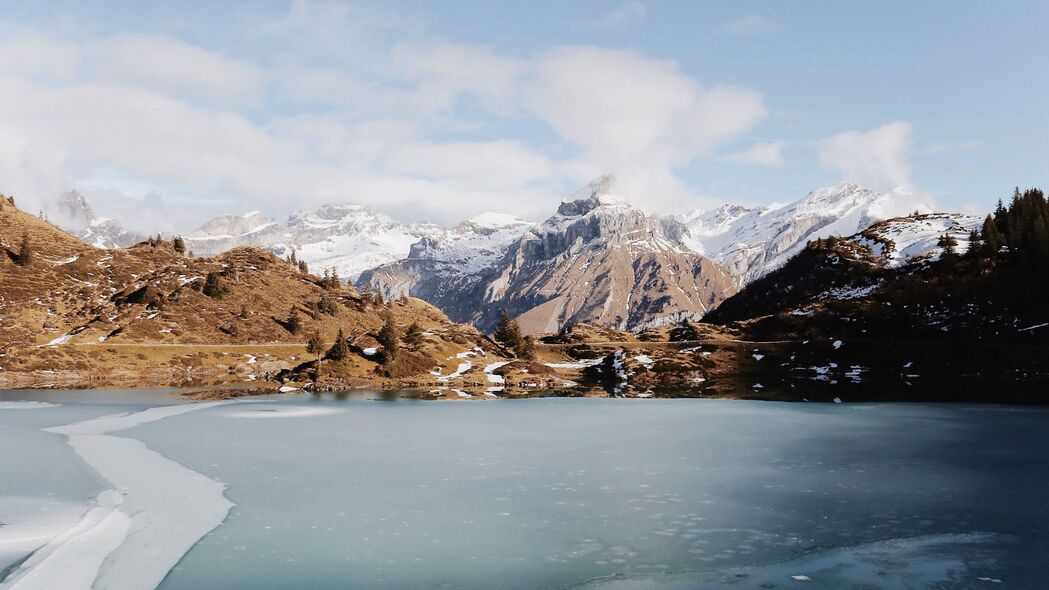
<point x="73" y="213"/>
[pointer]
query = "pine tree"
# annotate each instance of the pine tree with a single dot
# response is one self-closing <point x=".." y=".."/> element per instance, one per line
<point x="303" y="267"/>
<point x="292" y="259"/>
<point x="507" y="331"/>
<point x="527" y="348"/>
<point x="326" y="304"/>
<point x="179" y="244"/>
<point x="949" y="245"/>
<point x="992" y="238"/>
<point x="388" y="340"/>
<point x="413" y="335"/>
<point x="293" y="323"/>
<point x="339" y="351"/>
<point x="25" y="251"/>
<point x="214" y="286"/>
<point x="975" y="249"/>
<point x="314" y="343"/>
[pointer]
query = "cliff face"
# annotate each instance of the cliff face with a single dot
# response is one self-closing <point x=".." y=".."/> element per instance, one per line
<point x="601" y="261"/>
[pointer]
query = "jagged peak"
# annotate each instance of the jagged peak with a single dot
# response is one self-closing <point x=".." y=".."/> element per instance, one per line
<point x="600" y="192"/>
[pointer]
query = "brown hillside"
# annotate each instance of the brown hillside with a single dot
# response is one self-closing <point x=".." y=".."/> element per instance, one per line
<point x="145" y="313"/>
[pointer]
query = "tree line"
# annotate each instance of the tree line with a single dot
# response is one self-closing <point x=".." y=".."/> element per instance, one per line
<point x="1017" y="233"/>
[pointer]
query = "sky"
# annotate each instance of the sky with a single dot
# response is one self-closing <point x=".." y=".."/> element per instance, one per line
<point x="164" y="114"/>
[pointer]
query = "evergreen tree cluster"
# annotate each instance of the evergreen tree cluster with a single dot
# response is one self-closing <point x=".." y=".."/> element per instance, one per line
<point x="327" y="304"/>
<point x="369" y="296"/>
<point x="331" y="279"/>
<point x="1019" y="232"/>
<point x="413" y="335"/>
<point x="215" y="286"/>
<point x="508" y="333"/>
<point x="294" y="261"/>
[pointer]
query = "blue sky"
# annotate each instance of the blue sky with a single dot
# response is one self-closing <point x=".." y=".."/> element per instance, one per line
<point x="167" y="114"/>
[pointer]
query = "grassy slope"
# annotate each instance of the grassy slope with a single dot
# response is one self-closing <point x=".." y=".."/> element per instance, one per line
<point x="137" y="315"/>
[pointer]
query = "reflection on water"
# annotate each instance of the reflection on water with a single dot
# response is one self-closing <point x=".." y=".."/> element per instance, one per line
<point x="342" y="491"/>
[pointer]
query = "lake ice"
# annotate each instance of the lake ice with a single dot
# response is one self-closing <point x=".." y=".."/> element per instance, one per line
<point x="538" y="493"/>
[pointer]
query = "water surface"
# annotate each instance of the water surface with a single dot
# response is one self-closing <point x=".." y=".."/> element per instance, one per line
<point x="602" y="493"/>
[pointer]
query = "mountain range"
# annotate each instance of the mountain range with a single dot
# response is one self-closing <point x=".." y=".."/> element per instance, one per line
<point x="598" y="259"/>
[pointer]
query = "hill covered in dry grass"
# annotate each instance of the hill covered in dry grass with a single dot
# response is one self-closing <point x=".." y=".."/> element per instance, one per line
<point x="72" y="314"/>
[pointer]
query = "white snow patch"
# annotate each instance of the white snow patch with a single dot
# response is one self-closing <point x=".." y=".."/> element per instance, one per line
<point x="492" y="377"/>
<point x="580" y="364"/>
<point x="462" y="368"/>
<point x="645" y="360"/>
<point x="60" y="340"/>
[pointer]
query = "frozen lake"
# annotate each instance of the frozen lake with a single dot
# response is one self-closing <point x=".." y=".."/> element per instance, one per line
<point x="134" y="489"/>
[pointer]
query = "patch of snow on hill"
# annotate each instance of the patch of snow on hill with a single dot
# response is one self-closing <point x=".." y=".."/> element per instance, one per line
<point x="905" y="239"/>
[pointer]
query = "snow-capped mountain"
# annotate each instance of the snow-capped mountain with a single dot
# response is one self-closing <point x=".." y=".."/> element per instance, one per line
<point x="600" y="260"/>
<point x="446" y="268"/>
<point x="71" y="212"/>
<point x="597" y="260"/>
<point x="348" y="238"/>
<point x="750" y="242"/>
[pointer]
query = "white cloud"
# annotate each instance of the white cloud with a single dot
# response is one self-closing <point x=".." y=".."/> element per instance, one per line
<point x="751" y="24"/>
<point x="760" y="154"/>
<point x="621" y="16"/>
<point x="173" y="66"/>
<point x="875" y="158"/>
<point x="482" y="165"/>
<point x="34" y="54"/>
<point x="445" y="71"/>
<point x="134" y="115"/>
<point x="635" y="116"/>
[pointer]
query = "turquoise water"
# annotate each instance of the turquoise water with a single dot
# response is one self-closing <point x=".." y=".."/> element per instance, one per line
<point x="603" y="493"/>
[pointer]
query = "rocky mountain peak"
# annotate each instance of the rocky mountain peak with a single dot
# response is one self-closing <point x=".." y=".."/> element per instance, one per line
<point x="73" y="210"/>
<point x="600" y="192"/>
